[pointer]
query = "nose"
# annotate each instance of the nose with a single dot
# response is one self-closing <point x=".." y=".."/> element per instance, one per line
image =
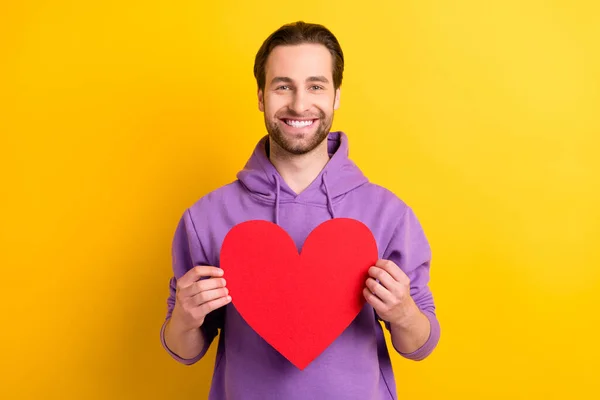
<point x="299" y="102"/>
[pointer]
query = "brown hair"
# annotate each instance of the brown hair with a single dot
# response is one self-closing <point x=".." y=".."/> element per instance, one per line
<point x="298" y="33"/>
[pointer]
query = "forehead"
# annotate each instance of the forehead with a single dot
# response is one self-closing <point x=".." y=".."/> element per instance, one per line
<point x="299" y="61"/>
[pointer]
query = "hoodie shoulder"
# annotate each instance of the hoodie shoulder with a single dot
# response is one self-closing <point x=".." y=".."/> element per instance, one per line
<point x="215" y="198"/>
<point x="383" y="195"/>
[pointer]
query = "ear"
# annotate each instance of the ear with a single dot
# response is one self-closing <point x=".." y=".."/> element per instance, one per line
<point x="261" y="103"/>
<point x="336" y="102"/>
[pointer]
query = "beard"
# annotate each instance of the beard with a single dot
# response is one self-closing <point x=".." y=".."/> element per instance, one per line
<point x="301" y="143"/>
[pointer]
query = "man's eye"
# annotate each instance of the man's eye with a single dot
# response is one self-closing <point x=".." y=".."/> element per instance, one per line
<point x="283" y="87"/>
<point x="316" y="87"/>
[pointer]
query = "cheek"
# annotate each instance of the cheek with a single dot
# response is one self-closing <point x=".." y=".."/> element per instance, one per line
<point x="325" y="104"/>
<point x="273" y="105"/>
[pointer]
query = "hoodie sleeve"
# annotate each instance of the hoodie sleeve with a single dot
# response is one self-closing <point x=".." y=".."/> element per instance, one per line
<point x="410" y="250"/>
<point x="186" y="253"/>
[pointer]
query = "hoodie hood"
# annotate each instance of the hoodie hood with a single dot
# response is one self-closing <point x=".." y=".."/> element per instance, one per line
<point x="339" y="176"/>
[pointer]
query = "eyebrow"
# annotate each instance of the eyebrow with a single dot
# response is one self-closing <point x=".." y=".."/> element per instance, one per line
<point x="286" y="79"/>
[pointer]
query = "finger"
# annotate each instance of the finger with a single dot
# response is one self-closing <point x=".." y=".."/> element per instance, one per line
<point x="198" y="272"/>
<point x="380" y="291"/>
<point x="214" y="304"/>
<point x="209" y="295"/>
<point x="383" y="277"/>
<point x="391" y="268"/>
<point x="202" y="286"/>
<point x="373" y="300"/>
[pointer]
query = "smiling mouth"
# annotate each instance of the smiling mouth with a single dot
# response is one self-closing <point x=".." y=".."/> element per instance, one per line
<point x="298" y="123"/>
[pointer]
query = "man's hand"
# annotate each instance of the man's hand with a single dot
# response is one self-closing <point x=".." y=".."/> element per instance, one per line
<point x="196" y="297"/>
<point x="390" y="297"/>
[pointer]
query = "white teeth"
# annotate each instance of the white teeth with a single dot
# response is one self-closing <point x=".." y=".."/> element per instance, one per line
<point x="299" y="124"/>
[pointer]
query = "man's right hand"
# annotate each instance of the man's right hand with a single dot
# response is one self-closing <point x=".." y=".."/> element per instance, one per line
<point x="196" y="297"/>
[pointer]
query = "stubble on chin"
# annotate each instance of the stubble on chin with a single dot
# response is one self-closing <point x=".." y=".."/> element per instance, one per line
<point x="299" y="146"/>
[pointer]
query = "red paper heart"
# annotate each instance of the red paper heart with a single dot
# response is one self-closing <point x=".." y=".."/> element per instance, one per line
<point x="298" y="303"/>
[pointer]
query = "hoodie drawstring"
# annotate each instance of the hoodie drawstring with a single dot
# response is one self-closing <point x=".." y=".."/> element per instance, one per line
<point x="329" y="202"/>
<point x="278" y="193"/>
<point x="277" y="199"/>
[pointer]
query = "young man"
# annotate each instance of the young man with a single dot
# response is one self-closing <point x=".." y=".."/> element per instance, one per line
<point x="298" y="177"/>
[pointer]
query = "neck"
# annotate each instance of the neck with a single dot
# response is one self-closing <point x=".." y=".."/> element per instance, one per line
<point x="299" y="171"/>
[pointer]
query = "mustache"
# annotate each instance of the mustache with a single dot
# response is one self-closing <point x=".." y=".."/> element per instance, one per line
<point x="292" y="115"/>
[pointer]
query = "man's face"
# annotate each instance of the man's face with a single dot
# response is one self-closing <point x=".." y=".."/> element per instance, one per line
<point x="299" y="98"/>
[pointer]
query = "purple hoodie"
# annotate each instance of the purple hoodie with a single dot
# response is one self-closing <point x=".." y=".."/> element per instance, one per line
<point x="357" y="364"/>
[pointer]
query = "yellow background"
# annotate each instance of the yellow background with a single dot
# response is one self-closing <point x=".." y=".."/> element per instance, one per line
<point x="482" y="115"/>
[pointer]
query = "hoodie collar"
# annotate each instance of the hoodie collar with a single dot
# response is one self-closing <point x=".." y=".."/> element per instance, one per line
<point x="339" y="176"/>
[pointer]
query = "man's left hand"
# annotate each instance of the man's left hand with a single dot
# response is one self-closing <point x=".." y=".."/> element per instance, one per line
<point x="390" y="297"/>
